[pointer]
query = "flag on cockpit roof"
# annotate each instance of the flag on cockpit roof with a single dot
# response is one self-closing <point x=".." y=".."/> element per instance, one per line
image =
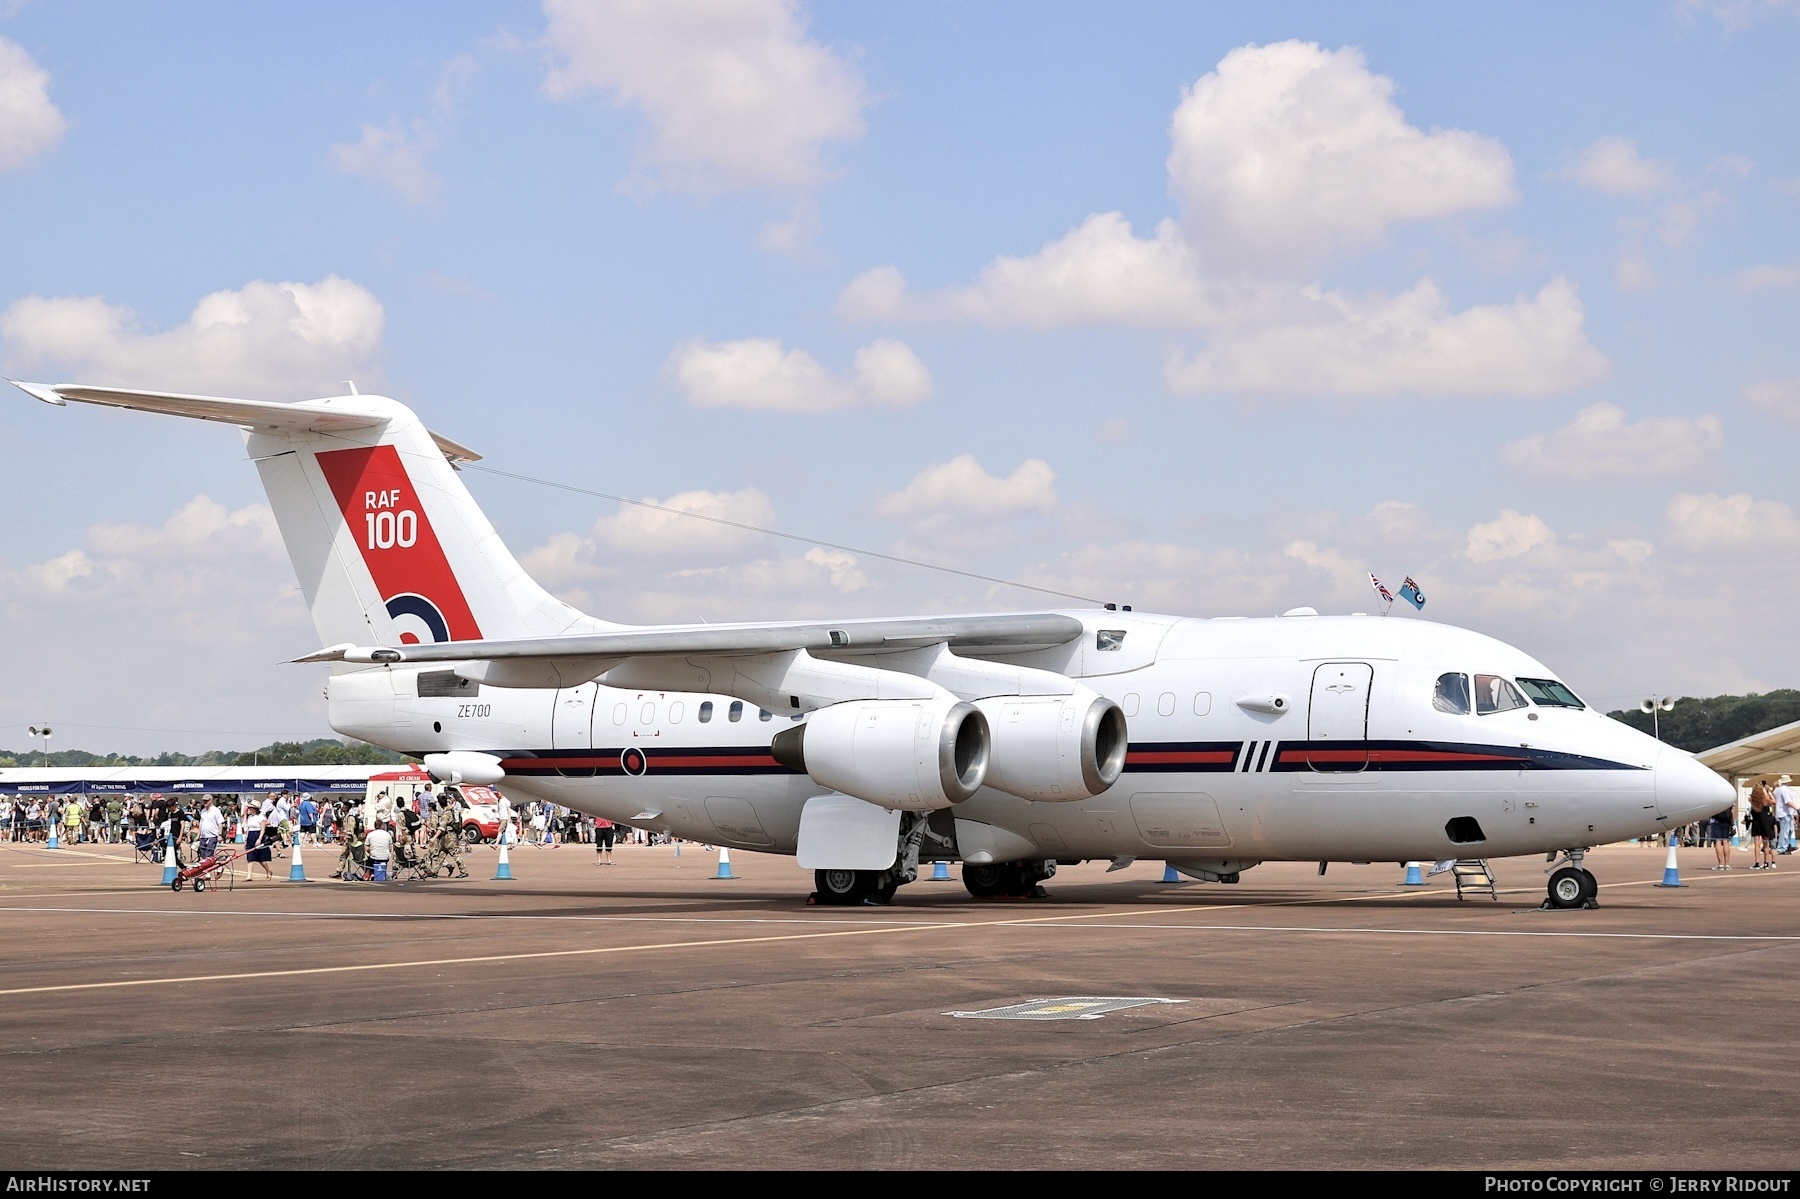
<point x="1387" y="597"/>
<point x="1409" y="591"/>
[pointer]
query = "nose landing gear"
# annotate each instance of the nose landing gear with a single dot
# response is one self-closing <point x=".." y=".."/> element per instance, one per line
<point x="1573" y="885"/>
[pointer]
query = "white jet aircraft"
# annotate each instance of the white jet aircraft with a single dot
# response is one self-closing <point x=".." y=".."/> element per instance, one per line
<point x="1010" y="743"/>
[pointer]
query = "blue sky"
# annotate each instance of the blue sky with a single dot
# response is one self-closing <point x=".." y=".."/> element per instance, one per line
<point x="1208" y="309"/>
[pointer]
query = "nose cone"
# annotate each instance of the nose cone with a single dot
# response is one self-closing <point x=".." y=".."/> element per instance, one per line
<point x="1687" y="790"/>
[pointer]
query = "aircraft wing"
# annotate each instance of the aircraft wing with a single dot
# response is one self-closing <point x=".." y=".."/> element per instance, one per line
<point x="1010" y="631"/>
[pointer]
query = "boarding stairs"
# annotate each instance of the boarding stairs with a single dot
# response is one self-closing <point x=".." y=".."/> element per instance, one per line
<point x="1473" y="877"/>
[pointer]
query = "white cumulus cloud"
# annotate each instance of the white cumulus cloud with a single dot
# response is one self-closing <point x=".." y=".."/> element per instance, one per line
<point x="1601" y="443"/>
<point x="1732" y="522"/>
<point x="191" y="616"/>
<point x="1280" y="155"/>
<point x="1768" y="276"/>
<point x="1097" y="273"/>
<point x="393" y="157"/>
<point x="685" y="526"/>
<point x="960" y="487"/>
<point x="29" y="123"/>
<point x="1777" y="397"/>
<point x="262" y="341"/>
<point x="1612" y="164"/>
<point x="734" y="92"/>
<point x="1508" y="535"/>
<point x="1285" y="151"/>
<point x="760" y="373"/>
<point x="1412" y="342"/>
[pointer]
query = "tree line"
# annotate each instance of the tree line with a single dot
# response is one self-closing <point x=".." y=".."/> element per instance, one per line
<point x="1702" y="723"/>
<point x="320" y="751"/>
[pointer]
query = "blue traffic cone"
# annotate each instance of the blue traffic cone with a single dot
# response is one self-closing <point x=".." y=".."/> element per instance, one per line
<point x="1671" y="869"/>
<point x="1413" y="877"/>
<point x="724" y="864"/>
<point x="503" y="870"/>
<point x="1169" y="875"/>
<point x="940" y="871"/>
<point x="297" y="872"/>
<point x="169" y="871"/>
<point x="53" y="843"/>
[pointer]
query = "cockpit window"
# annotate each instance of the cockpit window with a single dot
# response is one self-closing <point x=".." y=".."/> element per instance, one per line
<point x="1495" y="694"/>
<point x="1452" y="694"/>
<point x="1548" y="693"/>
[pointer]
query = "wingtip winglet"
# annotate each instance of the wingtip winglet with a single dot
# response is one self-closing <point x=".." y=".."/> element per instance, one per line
<point x="40" y="391"/>
<point x="331" y="653"/>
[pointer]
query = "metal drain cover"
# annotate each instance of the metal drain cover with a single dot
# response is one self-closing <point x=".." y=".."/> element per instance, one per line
<point x="1068" y="1007"/>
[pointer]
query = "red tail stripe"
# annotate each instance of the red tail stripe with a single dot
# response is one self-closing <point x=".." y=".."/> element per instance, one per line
<point x="419" y="568"/>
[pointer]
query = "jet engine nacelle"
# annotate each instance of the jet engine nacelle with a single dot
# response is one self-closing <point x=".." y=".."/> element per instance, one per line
<point x="1055" y="748"/>
<point x="909" y="755"/>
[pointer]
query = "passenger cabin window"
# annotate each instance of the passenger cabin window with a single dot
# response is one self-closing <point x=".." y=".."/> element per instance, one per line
<point x="1109" y="639"/>
<point x="764" y="714"/>
<point x="619" y="713"/>
<point x="1548" y="693"/>
<point x="675" y="712"/>
<point x="736" y="711"/>
<point x="705" y="711"/>
<point x="1495" y="694"/>
<point x="1452" y="694"/>
<point x="647" y="714"/>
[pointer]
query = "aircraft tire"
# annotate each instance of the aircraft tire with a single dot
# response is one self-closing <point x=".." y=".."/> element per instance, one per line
<point x="1592" y="887"/>
<point x="840" y="888"/>
<point x="1569" y="887"/>
<point x="987" y="879"/>
<point x="992" y="879"/>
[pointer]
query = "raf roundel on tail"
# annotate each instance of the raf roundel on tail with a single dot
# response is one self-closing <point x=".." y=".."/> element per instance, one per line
<point x="417" y="619"/>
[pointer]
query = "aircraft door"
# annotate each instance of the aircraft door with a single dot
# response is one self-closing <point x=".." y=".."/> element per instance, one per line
<point x="572" y="725"/>
<point x="1337" y="721"/>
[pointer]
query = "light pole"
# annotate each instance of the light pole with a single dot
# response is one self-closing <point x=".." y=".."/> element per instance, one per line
<point x="43" y="734"/>
<point x="1656" y="705"/>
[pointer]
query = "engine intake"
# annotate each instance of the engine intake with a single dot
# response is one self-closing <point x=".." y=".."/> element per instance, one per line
<point x="909" y="755"/>
<point x="1055" y="748"/>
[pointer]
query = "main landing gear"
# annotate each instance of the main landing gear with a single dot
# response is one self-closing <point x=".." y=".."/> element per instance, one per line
<point x="1011" y="880"/>
<point x="844" y="888"/>
<point x="1573" y="885"/>
<point x="985" y="880"/>
<point x="841" y="888"/>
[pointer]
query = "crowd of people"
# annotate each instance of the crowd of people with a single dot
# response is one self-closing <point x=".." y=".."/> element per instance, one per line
<point x="424" y="834"/>
<point x="1768" y="826"/>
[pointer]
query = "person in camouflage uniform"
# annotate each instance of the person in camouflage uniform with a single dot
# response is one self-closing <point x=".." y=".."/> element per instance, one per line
<point x="350" y="864"/>
<point x="445" y="840"/>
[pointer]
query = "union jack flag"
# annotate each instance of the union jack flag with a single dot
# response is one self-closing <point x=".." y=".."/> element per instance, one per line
<point x="1387" y="597"/>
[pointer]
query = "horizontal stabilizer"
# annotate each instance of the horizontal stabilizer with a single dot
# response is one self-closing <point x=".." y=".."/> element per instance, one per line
<point x="335" y="415"/>
<point x="313" y="416"/>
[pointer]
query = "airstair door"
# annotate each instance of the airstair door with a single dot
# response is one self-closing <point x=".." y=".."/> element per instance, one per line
<point x="1337" y="721"/>
<point x="572" y="727"/>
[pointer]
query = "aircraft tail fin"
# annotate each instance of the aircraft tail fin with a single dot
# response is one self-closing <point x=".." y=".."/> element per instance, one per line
<point x="389" y="546"/>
